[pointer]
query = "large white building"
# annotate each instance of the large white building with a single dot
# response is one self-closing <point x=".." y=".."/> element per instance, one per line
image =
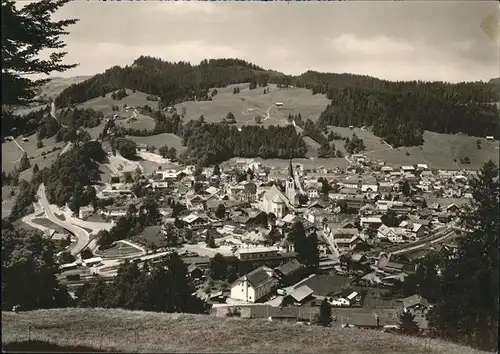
<point x="254" y="285"/>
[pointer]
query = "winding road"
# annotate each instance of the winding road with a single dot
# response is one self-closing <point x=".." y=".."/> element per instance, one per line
<point x="81" y="235"/>
<point x="267" y="116"/>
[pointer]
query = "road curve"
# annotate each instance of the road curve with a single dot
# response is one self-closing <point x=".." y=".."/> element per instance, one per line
<point x="81" y="235"/>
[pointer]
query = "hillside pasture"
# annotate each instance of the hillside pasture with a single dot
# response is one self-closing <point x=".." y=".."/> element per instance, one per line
<point x="159" y="140"/>
<point x="312" y="146"/>
<point x="137" y="121"/>
<point x="24" y="110"/>
<point x="42" y="162"/>
<point x="248" y="104"/>
<point x="139" y="331"/>
<point x="105" y="104"/>
<point x="11" y="153"/>
<point x="57" y="85"/>
<point x="371" y="141"/>
<point x="440" y="151"/>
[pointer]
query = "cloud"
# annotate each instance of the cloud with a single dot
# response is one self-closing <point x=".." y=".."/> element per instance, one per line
<point x="378" y="46"/>
<point x="184" y="8"/>
<point x="403" y="40"/>
<point x="110" y="54"/>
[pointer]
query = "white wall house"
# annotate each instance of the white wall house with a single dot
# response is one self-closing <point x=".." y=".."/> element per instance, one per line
<point x="254" y="285"/>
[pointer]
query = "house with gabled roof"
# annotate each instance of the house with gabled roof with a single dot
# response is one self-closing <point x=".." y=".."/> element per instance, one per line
<point x="195" y="202"/>
<point x="254" y="285"/>
<point x="195" y="221"/>
<point x="415" y="304"/>
<point x="393" y="234"/>
<point x="369" y="185"/>
<point x="290" y="272"/>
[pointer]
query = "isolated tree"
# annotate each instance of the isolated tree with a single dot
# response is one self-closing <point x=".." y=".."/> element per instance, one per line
<point x="221" y="211"/>
<point x="217" y="267"/>
<point x="216" y="171"/>
<point x="390" y="219"/>
<point x="210" y="241"/>
<point x="35" y="169"/>
<point x="305" y="246"/>
<point x="126" y="147"/>
<point x="163" y="151"/>
<point x="230" y="117"/>
<point x="24" y="164"/>
<point x="86" y="253"/>
<point x="67" y="257"/>
<point x="325" y="188"/>
<point x="325" y="313"/>
<point x="258" y="119"/>
<point x="172" y="153"/>
<point x="407" y="324"/>
<point x="303" y="199"/>
<point x="406" y="189"/>
<point x="26" y="32"/>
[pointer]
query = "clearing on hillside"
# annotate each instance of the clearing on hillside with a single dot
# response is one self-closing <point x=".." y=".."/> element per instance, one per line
<point x="438" y="150"/>
<point x="57" y="85"/>
<point x="248" y="104"/>
<point x="11" y="153"/>
<point x="371" y="141"/>
<point x="134" y="331"/>
<point x="159" y="140"/>
<point x="441" y="151"/>
<point x="105" y="104"/>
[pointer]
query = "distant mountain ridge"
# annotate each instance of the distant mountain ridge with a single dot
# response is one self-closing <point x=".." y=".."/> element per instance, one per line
<point x="398" y="112"/>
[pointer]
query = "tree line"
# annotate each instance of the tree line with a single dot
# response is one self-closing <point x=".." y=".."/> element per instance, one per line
<point x="161" y="287"/>
<point x="400" y="117"/>
<point x="209" y="144"/>
<point x="78" y="165"/>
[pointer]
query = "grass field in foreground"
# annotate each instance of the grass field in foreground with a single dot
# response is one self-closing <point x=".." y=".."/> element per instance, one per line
<point x="159" y="332"/>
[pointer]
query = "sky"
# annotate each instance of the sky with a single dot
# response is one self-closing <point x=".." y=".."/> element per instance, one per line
<point x="408" y="40"/>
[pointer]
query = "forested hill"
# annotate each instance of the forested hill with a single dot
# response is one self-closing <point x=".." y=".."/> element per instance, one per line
<point x="172" y="82"/>
<point x="399" y="112"/>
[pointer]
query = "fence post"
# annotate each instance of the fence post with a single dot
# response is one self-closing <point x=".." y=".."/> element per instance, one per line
<point x="29" y="333"/>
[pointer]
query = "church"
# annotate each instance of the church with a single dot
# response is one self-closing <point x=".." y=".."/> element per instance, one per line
<point x="278" y="203"/>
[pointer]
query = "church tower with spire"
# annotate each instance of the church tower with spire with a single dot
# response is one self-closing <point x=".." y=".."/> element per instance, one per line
<point x="290" y="185"/>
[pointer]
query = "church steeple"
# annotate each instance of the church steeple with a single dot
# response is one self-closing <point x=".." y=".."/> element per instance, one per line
<point x="290" y="169"/>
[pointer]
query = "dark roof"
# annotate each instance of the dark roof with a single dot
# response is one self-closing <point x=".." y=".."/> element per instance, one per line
<point x="229" y="204"/>
<point x="415" y="300"/>
<point x="258" y="277"/>
<point x="289" y="267"/>
<point x="324" y="285"/>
